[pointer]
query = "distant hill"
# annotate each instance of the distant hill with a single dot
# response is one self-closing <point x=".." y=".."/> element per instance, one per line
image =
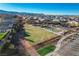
<point x="16" y="13"/>
<point x="25" y="13"/>
<point x="7" y="12"/>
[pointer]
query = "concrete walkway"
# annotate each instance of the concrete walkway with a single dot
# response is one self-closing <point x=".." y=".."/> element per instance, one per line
<point x="59" y="44"/>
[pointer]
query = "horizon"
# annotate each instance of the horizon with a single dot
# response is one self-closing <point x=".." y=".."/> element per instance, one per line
<point x="42" y="8"/>
<point x="40" y="13"/>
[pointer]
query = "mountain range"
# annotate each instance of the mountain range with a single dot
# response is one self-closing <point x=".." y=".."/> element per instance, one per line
<point x="16" y="13"/>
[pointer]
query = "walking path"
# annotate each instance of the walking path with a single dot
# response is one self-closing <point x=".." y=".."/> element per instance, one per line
<point x="59" y="44"/>
<point x="28" y="47"/>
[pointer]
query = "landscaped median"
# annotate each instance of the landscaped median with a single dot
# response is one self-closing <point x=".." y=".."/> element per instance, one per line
<point x="46" y="49"/>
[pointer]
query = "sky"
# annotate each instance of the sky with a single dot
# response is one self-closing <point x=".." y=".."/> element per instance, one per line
<point x="46" y="8"/>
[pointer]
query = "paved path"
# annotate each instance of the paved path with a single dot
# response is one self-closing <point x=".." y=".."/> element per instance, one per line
<point x="59" y="44"/>
<point x="29" y="48"/>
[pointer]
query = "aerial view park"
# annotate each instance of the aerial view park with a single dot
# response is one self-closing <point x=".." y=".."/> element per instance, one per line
<point x="39" y="29"/>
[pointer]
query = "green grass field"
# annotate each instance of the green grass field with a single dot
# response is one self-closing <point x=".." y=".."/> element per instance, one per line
<point x="38" y="34"/>
<point x="2" y="35"/>
<point x="46" y="49"/>
<point x="56" y="30"/>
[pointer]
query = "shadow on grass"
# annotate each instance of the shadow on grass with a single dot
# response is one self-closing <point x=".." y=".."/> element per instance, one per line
<point x="30" y="40"/>
<point x="27" y="34"/>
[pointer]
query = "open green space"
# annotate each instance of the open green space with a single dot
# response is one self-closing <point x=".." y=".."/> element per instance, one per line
<point x="2" y="35"/>
<point x="56" y="30"/>
<point x="46" y="49"/>
<point x="37" y="34"/>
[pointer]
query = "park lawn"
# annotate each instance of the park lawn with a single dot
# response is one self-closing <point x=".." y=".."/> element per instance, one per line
<point x="37" y="34"/>
<point x="46" y="49"/>
<point x="56" y="29"/>
<point x="2" y="35"/>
